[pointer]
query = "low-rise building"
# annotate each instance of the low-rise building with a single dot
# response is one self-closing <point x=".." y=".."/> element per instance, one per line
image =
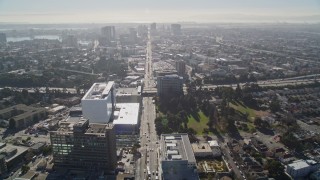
<point x="216" y="151"/>
<point x="23" y="115"/>
<point x="201" y="150"/>
<point x="301" y="168"/>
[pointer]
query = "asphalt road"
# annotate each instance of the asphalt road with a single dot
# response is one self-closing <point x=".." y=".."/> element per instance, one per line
<point x="148" y="135"/>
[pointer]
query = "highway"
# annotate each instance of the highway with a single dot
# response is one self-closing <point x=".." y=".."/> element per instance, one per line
<point x="148" y="136"/>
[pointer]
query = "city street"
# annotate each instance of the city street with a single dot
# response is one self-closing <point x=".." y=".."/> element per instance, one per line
<point x="148" y="135"/>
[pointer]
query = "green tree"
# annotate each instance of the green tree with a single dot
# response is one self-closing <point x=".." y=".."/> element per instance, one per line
<point x="25" y="168"/>
<point x="275" y="105"/>
<point x="238" y="92"/>
<point x="275" y="168"/>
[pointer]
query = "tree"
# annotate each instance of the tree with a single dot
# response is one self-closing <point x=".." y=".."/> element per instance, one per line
<point x="275" y="105"/>
<point x="47" y="150"/>
<point x="25" y="168"/>
<point x="258" y="122"/>
<point x="238" y="92"/>
<point x="275" y="168"/>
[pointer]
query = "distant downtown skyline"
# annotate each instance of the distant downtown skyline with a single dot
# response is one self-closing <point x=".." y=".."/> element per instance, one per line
<point x="101" y="11"/>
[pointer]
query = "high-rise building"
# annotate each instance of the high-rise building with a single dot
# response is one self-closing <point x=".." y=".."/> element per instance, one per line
<point x="181" y="67"/>
<point x="98" y="104"/>
<point x="133" y="35"/>
<point x="109" y="33"/>
<point x="153" y="28"/>
<point x="169" y="85"/>
<point x="83" y="146"/>
<point x="142" y="30"/>
<point x="3" y="38"/>
<point x="177" y="160"/>
<point x="70" y="41"/>
<point x="176" y="29"/>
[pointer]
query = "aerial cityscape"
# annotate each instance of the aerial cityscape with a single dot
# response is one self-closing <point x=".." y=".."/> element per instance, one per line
<point x="158" y="95"/>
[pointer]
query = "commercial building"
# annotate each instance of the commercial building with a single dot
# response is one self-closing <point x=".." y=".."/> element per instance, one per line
<point x="201" y="150"/>
<point x="108" y="33"/>
<point x="216" y="151"/>
<point x="13" y="155"/>
<point x="176" y="29"/>
<point x="301" y="168"/>
<point x="98" y="104"/>
<point x="169" y="85"/>
<point x="70" y="41"/>
<point x="23" y="115"/>
<point x="153" y="28"/>
<point x="126" y="123"/>
<point x="83" y="146"/>
<point x="177" y="160"/>
<point x="181" y="67"/>
<point x="129" y="95"/>
<point x="3" y="38"/>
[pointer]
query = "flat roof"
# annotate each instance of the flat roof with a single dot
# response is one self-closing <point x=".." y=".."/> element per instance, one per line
<point x="176" y="147"/>
<point x="299" y="164"/>
<point x="127" y="91"/>
<point x="126" y="113"/>
<point x="213" y="143"/>
<point x="98" y="91"/>
<point x="10" y="147"/>
<point x="98" y="128"/>
<point x="201" y="147"/>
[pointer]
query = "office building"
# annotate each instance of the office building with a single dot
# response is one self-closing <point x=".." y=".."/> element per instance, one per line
<point x="126" y="124"/>
<point x="108" y="33"/>
<point x="3" y="38"/>
<point x="153" y="28"/>
<point x="181" y="68"/>
<point x="83" y="146"/>
<point x="133" y="34"/>
<point x="169" y="85"/>
<point x="177" y="160"/>
<point x="98" y="104"/>
<point x="176" y="29"/>
<point x="70" y="41"/>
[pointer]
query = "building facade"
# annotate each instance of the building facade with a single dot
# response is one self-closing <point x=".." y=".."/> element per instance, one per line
<point x="169" y="85"/>
<point x="3" y="38"/>
<point x="176" y="29"/>
<point x="181" y="68"/>
<point x="301" y="168"/>
<point x="98" y="104"/>
<point x="108" y="33"/>
<point x="177" y="160"/>
<point x="84" y="146"/>
<point x="23" y="115"/>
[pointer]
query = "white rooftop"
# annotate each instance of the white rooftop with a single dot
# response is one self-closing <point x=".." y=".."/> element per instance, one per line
<point x="98" y="91"/>
<point x="299" y="164"/>
<point x="213" y="143"/>
<point x="126" y="113"/>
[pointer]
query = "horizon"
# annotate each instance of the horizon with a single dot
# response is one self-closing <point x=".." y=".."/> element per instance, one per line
<point x="143" y="11"/>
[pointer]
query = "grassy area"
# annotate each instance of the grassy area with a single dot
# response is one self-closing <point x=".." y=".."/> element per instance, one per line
<point x="200" y="124"/>
<point x="244" y="110"/>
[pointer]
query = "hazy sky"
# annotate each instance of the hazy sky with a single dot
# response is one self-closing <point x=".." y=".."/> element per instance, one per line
<point x="64" y="11"/>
